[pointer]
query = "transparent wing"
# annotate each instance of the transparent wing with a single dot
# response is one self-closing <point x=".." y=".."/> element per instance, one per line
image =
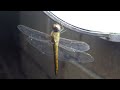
<point x="44" y="46"/>
<point x="73" y="45"/>
<point x="64" y="55"/>
<point x="33" y="33"/>
<point x="70" y="49"/>
<point x="83" y="57"/>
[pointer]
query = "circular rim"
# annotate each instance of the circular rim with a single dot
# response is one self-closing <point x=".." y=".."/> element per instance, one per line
<point x="75" y="28"/>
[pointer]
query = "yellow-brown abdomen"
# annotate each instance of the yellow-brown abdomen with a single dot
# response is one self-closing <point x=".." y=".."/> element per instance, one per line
<point x="55" y="39"/>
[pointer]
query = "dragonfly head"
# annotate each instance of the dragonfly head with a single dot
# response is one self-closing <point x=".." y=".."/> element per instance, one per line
<point x="57" y="28"/>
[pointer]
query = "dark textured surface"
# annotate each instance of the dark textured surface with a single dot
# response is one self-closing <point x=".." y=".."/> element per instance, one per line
<point x="107" y="57"/>
<point x="10" y="65"/>
<point x="19" y="60"/>
<point x="106" y="54"/>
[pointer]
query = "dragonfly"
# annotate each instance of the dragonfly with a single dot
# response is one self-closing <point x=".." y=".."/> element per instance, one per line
<point x="53" y="45"/>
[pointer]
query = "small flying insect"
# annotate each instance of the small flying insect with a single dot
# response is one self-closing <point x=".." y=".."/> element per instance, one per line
<point x="53" y="45"/>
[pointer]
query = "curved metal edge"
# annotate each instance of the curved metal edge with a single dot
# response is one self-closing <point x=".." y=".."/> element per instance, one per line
<point x="113" y="37"/>
<point x="74" y="28"/>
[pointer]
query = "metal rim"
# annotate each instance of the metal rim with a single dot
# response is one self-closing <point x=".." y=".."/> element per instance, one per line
<point x="114" y="37"/>
<point x="74" y="28"/>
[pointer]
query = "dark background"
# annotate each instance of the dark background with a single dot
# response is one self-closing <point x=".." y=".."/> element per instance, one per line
<point x="19" y="60"/>
<point x="9" y="45"/>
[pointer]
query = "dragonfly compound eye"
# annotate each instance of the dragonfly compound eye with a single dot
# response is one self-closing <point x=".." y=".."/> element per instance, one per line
<point x="56" y="27"/>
